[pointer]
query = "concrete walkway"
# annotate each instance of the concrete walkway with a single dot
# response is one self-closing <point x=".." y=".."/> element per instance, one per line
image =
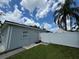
<point x="8" y="54"/>
<point x="31" y="46"/>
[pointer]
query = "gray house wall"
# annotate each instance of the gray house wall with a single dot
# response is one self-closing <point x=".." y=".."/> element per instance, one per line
<point x="67" y="38"/>
<point x="0" y="35"/>
<point x="0" y="32"/>
<point x="20" y="36"/>
<point x="14" y="35"/>
<point x="5" y="30"/>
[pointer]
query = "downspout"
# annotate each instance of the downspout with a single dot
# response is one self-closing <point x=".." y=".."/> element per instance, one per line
<point x="9" y="37"/>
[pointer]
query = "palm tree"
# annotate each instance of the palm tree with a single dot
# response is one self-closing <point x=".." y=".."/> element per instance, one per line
<point x="68" y="9"/>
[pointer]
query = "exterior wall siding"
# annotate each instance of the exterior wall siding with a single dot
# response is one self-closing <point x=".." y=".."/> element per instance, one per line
<point x="22" y="36"/>
<point x="0" y="34"/>
<point x="67" y="38"/>
<point x="4" y="36"/>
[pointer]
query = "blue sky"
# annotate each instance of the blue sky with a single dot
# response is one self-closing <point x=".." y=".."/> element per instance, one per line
<point x="31" y="12"/>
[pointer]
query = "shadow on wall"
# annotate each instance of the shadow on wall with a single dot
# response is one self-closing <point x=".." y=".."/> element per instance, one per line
<point x="39" y="38"/>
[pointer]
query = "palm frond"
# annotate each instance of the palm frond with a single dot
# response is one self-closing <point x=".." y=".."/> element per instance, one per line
<point x="56" y="18"/>
<point x="77" y="18"/>
<point x="69" y="2"/>
<point x="75" y="9"/>
<point x="66" y="10"/>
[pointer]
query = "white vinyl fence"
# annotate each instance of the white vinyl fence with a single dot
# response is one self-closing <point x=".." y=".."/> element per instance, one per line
<point x="67" y="38"/>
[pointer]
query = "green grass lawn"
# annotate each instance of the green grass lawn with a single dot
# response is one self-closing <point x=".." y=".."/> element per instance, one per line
<point x="48" y="52"/>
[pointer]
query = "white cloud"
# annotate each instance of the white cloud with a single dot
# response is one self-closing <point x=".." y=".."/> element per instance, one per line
<point x="43" y="6"/>
<point x="32" y="4"/>
<point x="54" y="30"/>
<point x="43" y="12"/>
<point x="4" y="2"/>
<point x="47" y="26"/>
<point x="1" y="11"/>
<point x="14" y="16"/>
<point x="30" y="22"/>
<point x="55" y="5"/>
<point x="62" y="1"/>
